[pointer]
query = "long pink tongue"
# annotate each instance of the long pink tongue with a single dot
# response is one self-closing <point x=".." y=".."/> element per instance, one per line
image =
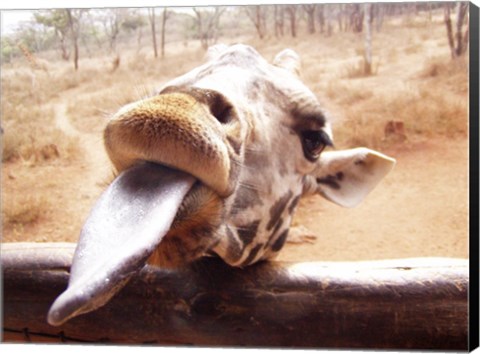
<point x="123" y="229"/>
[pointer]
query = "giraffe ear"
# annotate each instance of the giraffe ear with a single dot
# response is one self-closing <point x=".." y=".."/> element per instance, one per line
<point x="347" y="177"/>
<point x="289" y="60"/>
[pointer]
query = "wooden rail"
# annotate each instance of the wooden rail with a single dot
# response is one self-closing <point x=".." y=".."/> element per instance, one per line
<point x="394" y="304"/>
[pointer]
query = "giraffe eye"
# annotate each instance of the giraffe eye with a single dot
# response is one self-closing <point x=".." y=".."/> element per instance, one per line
<point x="314" y="142"/>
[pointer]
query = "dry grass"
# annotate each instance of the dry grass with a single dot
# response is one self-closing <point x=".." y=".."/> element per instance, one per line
<point x="451" y="74"/>
<point x="30" y="135"/>
<point x="425" y="110"/>
<point x="345" y="94"/>
<point x="357" y="69"/>
<point x="23" y="210"/>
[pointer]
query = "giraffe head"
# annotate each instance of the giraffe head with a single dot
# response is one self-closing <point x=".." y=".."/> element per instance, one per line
<point x="214" y="163"/>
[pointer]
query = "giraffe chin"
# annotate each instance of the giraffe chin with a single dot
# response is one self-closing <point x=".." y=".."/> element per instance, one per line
<point x="124" y="228"/>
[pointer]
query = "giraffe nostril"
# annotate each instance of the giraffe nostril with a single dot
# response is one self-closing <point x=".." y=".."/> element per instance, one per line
<point x="220" y="107"/>
<point x="223" y="114"/>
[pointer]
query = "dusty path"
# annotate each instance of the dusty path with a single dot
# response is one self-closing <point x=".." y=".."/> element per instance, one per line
<point x="89" y="181"/>
<point x="62" y="120"/>
<point x="91" y="142"/>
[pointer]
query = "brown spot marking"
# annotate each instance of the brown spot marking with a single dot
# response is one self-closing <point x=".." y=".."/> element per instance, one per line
<point x="278" y="224"/>
<point x="294" y="204"/>
<point x="254" y="90"/>
<point x="277" y="209"/>
<point x="257" y="158"/>
<point x="278" y="244"/>
<point x="248" y="232"/>
<point x="253" y="253"/>
<point x="234" y="249"/>
<point x="246" y="198"/>
<point x="331" y="181"/>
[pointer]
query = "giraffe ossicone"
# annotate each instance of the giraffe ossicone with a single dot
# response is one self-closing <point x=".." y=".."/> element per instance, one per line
<point x="213" y="164"/>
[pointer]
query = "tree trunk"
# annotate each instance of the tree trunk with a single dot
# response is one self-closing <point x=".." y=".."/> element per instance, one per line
<point x="310" y="10"/>
<point x="292" y="13"/>
<point x="448" y="24"/>
<point x="139" y="38"/>
<point x="367" y="68"/>
<point x="457" y="42"/>
<point x="63" y="46"/>
<point x="164" y="22"/>
<point x="275" y="14"/>
<point x="341" y="23"/>
<point x="151" y="17"/>
<point x="208" y="24"/>
<point x="256" y="15"/>
<point x="466" y="36"/>
<point x="379" y="15"/>
<point x="257" y="22"/>
<point x="321" y="17"/>
<point x="356" y="18"/>
<point x="75" y="54"/>
<point x="462" y="8"/>
<point x="74" y="34"/>
<point x="279" y="20"/>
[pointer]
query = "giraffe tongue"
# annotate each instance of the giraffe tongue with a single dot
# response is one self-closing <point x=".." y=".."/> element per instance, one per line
<point x="125" y="226"/>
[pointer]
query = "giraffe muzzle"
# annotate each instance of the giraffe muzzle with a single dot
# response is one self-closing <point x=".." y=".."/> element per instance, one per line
<point x="125" y="226"/>
<point x="175" y="130"/>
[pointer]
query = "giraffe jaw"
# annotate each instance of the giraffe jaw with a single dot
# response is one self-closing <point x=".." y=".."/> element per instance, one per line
<point x="124" y="228"/>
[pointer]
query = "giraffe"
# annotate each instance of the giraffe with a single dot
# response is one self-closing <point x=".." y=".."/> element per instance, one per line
<point x="34" y="63"/>
<point x="214" y="163"/>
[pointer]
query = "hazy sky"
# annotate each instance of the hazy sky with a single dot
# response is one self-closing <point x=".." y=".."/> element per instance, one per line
<point x="11" y="18"/>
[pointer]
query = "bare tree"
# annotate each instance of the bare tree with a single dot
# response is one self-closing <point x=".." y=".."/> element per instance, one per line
<point x="356" y="17"/>
<point x="310" y="11"/>
<point x="151" y="19"/>
<point x="165" y="16"/>
<point x="134" y="22"/>
<point x="74" y="20"/>
<point x="342" y="23"/>
<point x="207" y="22"/>
<point x="279" y="19"/>
<point x="321" y="17"/>
<point x="367" y="63"/>
<point x="112" y="23"/>
<point x="258" y="15"/>
<point x="326" y="15"/>
<point x="58" y="20"/>
<point x="292" y="15"/>
<point x="458" y="43"/>
<point x="462" y="17"/>
<point x="378" y="13"/>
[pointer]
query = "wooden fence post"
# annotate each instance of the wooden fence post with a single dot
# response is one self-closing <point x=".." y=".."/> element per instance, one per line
<point x="395" y="304"/>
